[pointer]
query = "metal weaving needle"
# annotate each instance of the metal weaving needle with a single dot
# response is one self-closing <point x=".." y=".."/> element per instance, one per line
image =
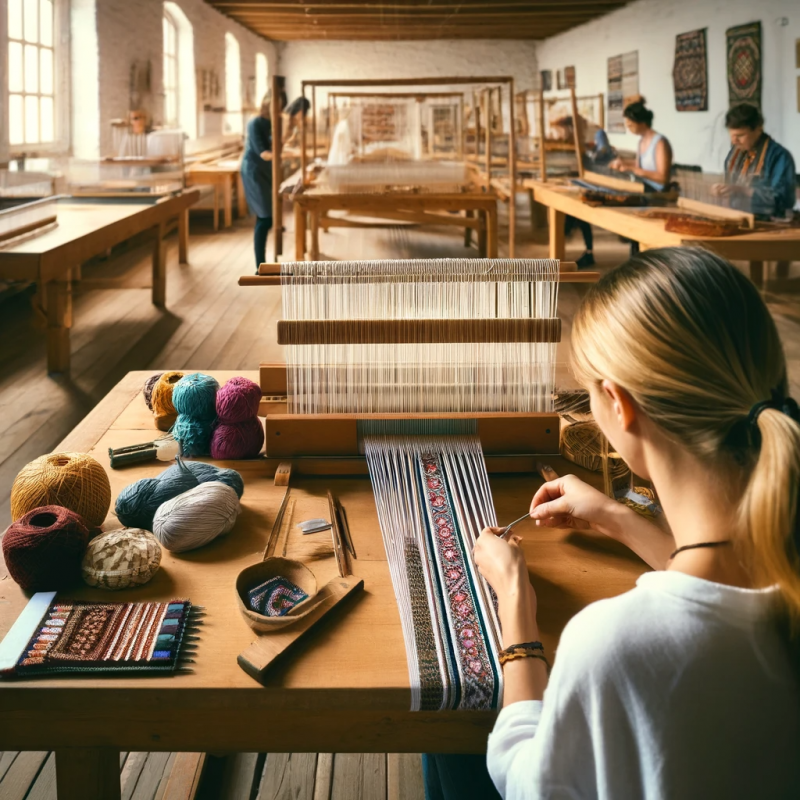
<point x="505" y="533"/>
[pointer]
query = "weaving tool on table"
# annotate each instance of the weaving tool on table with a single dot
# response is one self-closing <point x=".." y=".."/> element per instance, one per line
<point x="423" y="366"/>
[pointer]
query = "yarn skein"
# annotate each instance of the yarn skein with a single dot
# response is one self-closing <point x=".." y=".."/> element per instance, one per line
<point x="138" y="502"/>
<point x="43" y="549"/>
<point x="194" y="399"/>
<point x="72" y="480"/>
<point x="161" y="400"/>
<point x="238" y="433"/>
<point x="196" y="517"/>
<point x="147" y="389"/>
<point x="121" y="558"/>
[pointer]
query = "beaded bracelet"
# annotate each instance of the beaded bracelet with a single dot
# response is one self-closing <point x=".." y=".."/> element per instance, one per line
<point x="524" y="650"/>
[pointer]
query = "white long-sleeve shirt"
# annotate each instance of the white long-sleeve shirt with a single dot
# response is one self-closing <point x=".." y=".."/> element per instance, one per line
<point x="680" y="688"/>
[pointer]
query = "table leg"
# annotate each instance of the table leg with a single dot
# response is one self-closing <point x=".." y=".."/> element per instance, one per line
<point x="58" y="303"/>
<point x="160" y="266"/>
<point x="314" y="220"/>
<point x="555" y="220"/>
<point x="216" y="206"/>
<point x="87" y="774"/>
<point x="757" y="273"/>
<point x="482" y="233"/>
<point x="241" y="200"/>
<point x="782" y="269"/>
<point x="183" y="237"/>
<point x="228" y="203"/>
<point x="469" y="213"/>
<point x="299" y="233"/>
<point x="534" y="215"/>
<point x="491" y="232"/>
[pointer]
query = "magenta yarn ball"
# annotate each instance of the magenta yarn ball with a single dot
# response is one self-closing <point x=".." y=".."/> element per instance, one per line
<point x="238" y="400"/>
<point x="237" y="440"/>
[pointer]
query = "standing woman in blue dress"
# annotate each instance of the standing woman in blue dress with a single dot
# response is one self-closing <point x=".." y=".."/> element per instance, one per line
<point x="257" y="175"/>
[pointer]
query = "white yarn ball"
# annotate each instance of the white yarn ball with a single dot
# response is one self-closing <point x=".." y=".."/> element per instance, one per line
<point x="196" y="517"/>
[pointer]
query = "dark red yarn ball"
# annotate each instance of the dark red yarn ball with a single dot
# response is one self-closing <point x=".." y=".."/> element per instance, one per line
<point x="242" y="440"/>
<point x="43" y="550"/>
<point x="238" y="400"/>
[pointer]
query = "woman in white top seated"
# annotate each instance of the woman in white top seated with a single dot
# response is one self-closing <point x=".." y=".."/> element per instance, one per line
<point x="653" y="163"/>
<point x="687" y="685"/>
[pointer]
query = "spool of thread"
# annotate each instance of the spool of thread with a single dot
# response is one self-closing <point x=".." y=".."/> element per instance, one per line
<point x="196" y="517"/>
<point x="161" y="400"/>
<point x="147" y="389"/>
<point x="138" y="502"/>
<point x="121" y="558"/>
<point x="194" y="399"/>
<point x="238" y="400"/>
<point x="72" y="480"/>
<point x="237" y="440"/>
<point x="43" y="549"/>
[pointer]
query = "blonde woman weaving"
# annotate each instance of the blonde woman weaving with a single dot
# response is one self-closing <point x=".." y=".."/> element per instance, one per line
<point x="686" y="686"/>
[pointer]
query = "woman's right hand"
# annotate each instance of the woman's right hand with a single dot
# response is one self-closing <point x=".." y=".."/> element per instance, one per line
<point x="568" y="502"/>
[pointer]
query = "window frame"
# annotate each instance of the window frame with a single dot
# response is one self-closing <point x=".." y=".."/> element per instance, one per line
<point x="168" y="19"/>
<point x="233" y="113"/>
<point x="61" y="89"/>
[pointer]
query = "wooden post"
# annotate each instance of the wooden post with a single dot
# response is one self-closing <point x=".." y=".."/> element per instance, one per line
<point x="241" y="200"/>
<point x="488" y="145"/>
<point x="542" y="151"/>
<point x="512" y="169"/>
<point x="482" y="233"/>
<point x="314" y="221"/>
<point x="577" y="132"/>
<point x="303" y="142"/>
<point x="183" y="237"/>
<point x="314" y="121"/>
<point x="756" y="274"/>
<point x="467" y="230"/>
<point x="87" y="774"/>
<point x="299" y="232"/>
<point x="160" y="266"/>
<point x="602" y="115"/>
<point x="477" y="111"/>
<point x="58" y="301"/>
<point x="556" y="221"/>
<point x="491" y="232"/>
<point x="227" y="188"/>
<point x="277" y="173"/>
<point x="462" y="139"/>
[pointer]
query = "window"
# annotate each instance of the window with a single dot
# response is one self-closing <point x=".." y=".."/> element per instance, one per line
<point x="31" y="72"/>
<point x="261" y="78"/>
<point x="170" y="71"/>
<point x="233" y="85"/>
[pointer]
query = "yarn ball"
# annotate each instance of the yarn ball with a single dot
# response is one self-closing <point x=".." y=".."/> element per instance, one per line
<point x="193" y="435"/>
<point x="121" y="558"/>
<point x="238" y="400"/>
<point x="161" y="400"/>
<point x="237" y="440"/>
<point x="196" y="517"/>
<point x="43" y="549"/>
<point x="137" y="503"/>
<point x="195" y="396"/>
<point x="147" y="389"/>
<point x="72" y="480"/>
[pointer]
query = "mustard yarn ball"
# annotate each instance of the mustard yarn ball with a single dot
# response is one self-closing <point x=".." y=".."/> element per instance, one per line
<point x="72" y="480"/>
<point x="121" y="559"/>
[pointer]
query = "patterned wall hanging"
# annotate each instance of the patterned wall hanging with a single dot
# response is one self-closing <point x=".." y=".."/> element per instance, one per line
<point x="744" y="64"/>
<point x="690" y="72"/>
<point x="547" y="79"/>
<point x="623" y="88"/>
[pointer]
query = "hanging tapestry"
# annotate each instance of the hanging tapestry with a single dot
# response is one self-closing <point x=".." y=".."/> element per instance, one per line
<point x="623" y="87"/>
<point x="547" y="80"/>
<point x="569" y="77"/>
<point x="744" y="64"/>
<point x="690" y="71"/>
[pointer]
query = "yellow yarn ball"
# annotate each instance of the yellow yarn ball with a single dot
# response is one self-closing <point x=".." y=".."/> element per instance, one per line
<point x="72" y="480"/>
<point x="161" y="400"/>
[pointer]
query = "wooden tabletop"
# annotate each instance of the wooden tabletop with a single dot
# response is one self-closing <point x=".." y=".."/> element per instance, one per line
<point x="346" y="688"/>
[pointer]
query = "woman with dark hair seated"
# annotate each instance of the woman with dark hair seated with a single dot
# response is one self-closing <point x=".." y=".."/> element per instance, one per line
<point x="759" y="173"/>
<point x="654" y="154"/>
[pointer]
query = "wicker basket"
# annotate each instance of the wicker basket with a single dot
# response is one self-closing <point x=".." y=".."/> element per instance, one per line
<point x="582" y="443"/>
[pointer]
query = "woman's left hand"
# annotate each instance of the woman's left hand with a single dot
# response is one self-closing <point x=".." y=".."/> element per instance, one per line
<point x="502" y="563"/>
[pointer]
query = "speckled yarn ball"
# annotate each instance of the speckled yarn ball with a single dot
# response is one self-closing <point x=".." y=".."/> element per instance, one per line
<point x="43" y="549"/>
<point x="161" y="400"/>
<point x="196" y="517"/>
<point x="147" y="389"/>
<point x="238" y="400"/>
<point x="237" y="440"/>
<point x="121" y="559"/>
<point x="72" y="480"/>
<point x="195" y="401"/>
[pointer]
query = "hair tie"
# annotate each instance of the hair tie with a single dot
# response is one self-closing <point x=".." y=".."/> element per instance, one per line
<point x="786" y="405"/>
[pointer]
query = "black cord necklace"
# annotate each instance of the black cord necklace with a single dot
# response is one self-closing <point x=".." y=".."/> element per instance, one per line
<point x="699" y="544"/>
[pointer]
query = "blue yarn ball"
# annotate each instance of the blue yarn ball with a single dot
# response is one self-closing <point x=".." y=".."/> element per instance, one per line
<point x="208" y="472"/>
<point x="195" y="396"/>
<point x="193" y="435"/>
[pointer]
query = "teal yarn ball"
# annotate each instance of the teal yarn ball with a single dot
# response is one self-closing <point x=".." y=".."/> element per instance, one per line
<point x="195" y="396"/>
<point x="194" y="436"/>
<point x="208" y="472"/>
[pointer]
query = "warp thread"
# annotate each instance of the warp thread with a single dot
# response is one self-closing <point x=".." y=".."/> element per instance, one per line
<point x="147" y="389"/>
<point x="194" y="398"/>
<point x="196" y="517"/>
<point x="161" y="400"/>
<point x="72" y="480"/>
<point x="121" y="558"/>
<point x="43" y="549"/>
<point x="238" y="432"/>
<point x="138" y="502"/>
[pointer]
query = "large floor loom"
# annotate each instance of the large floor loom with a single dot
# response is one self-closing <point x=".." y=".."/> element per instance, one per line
<point x="429" y="369"/>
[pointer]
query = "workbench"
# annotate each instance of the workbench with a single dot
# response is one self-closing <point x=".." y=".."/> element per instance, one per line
<point x="86" y="228"/>
<point x="345" y="688"/>
<point x="757" y="247"/>
<point x="225" y="177"/>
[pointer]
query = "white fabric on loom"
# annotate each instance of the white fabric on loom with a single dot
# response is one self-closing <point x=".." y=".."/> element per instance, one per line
<point x="679" y="688"/>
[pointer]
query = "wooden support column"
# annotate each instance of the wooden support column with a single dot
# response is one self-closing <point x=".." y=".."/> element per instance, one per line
<point x="227" y="188"/>
<point x="577" y="130"/>
<point x="58" y="302"/>
<point x="488" y="95"/>
<point x="241" y="199"/>
<point x="314" y="224"/>
<point x="314" y="121"/>
<point x="303" y="164"/>
<point x="757" y="273"/>
<point x="491" y="232"/>
<point x="556" y="221"/>
<point x="87" y="774"/>
<point x="299" y="232"/>
<point x="277" y="147"/>
<point x="542" y="150"/>
<point x="183" y="237"/>
<point x="512" y="170"/>
<point x="216" y="206"/>
<point x="160" y="266"/>
<point x="482" y="233"/>
<point x="467" y="230"/>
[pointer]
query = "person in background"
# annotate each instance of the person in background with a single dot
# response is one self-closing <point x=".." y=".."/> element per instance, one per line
<point x="653" y="163"/>
<point x="294" y="115"/>
<point x="759" y="173"/>
<point x="257" y="175"/>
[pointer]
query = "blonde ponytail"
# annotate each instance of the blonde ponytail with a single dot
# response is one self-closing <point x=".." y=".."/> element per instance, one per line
<point x="692" y="342"/>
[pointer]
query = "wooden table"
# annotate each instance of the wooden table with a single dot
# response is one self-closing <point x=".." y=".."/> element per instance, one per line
<point x="780" y="244"/>
<point x="225" y="177"/>
<point x="479" y="209"/>
<point x="87" y="228"/>
<point x="345" y="689"/>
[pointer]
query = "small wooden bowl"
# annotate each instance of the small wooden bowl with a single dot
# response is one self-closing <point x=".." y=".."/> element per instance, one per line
<point x="297" y="573"/>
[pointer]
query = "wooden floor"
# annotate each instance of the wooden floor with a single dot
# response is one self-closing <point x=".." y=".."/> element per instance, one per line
<point x="211" y="323"/>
